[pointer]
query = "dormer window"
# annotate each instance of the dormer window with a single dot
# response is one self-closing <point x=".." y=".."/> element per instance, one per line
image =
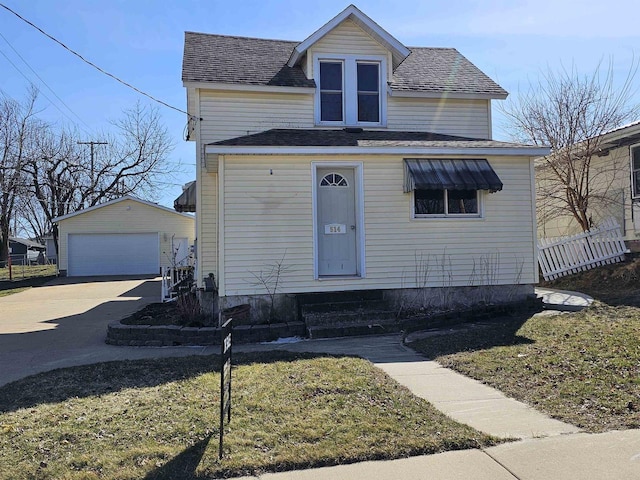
<point x="350" y="90"/>
<point x="368" y="92"/>
<point x="331" y="87"/>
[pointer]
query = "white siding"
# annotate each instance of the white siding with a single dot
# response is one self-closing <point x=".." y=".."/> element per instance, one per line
<point x="208" y="211"/>
<point x="228" y="114"/>
<point x="128" y="216"/>
<point x="469" y="118"/>
<point x="268" y="214"/>
<point x="346" y="38"/>
<point x="232" y="114"/>
<point x="609" y="196"/>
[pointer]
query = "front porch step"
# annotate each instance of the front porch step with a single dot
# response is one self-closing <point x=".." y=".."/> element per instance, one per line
<point x="338" y="297"/>
<point x="346" y="306"/>
<point x="352" y="329"/>
<point x="361" y="315"/>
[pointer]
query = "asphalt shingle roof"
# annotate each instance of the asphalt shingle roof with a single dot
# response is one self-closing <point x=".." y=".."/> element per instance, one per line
<point x="256" y="61"/>
<point x="279" y="137"/>
<point x="240" y="60"/>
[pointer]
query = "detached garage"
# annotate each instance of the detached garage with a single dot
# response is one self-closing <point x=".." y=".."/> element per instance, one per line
<point x="126" y="236"/>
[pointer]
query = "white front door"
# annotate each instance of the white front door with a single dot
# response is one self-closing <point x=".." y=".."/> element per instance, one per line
<point x="336" y="221"/>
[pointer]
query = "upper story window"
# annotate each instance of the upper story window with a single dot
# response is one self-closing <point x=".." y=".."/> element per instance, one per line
<point x="368" y="92"/>
<point x="331" y="87"/>
<point x="635" y="171"/>
<point x="350" y="90"/>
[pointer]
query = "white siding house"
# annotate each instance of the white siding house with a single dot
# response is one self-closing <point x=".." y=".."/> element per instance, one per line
<point x="126" y="236"/>
<point x="355" y="163"/>
<point x="614" y="188"/>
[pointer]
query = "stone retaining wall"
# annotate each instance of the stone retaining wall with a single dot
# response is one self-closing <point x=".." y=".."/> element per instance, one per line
<point x="174" y="335"/>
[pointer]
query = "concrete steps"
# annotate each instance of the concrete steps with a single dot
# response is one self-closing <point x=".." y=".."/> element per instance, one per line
<point x="336" y="314"/>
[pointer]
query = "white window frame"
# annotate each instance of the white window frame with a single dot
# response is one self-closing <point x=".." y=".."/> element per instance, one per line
<point x="350" y="88"/>
<point x="635" y="189"/>
<point x="446" y="214"/>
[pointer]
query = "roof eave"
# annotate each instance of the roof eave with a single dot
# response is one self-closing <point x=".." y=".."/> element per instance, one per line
<point x="113" y="202"/>
<point x="453" y="95"/>
<point x="398" y="50"/>
<point x="528" y="151"/>
<point x="247" y="87"/>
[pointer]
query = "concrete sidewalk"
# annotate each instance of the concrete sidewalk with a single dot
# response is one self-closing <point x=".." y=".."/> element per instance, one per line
<point x="606" y="456"/>
<point x="549" y="450"/>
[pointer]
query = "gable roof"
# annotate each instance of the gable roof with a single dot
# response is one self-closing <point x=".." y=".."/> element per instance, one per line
<point x="255" y="61"/>
<point x="115" y="201"/>
<point x="398" y="51"/>
<point x="244" y="61"/>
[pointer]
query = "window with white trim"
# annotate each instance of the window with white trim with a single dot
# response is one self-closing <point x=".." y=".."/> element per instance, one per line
<point x="350" y="90"/>
<point x="446" y="203"/>
<point x="331" y="87"/>
<point x="635" y="171"/>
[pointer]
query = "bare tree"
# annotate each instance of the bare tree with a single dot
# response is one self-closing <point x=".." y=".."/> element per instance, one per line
<point x="134" y="159"/>
<point x="62" y="179"/>
<point x="56" y="179"/>
<point x="570" y="112"/>
<point x="17" y="125"/>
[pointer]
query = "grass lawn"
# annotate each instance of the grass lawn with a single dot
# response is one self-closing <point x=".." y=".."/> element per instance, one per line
<point x="20" y="272"/>
<point x="11" y="291"/>
<point x="159" y="419"/>
<point x="582" y="368"/>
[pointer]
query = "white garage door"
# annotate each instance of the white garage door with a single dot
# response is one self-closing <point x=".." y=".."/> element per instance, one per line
<point x="113" y="254"/>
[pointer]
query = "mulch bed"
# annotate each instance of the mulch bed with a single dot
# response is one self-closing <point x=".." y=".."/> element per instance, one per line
<point x="166" y="314"/>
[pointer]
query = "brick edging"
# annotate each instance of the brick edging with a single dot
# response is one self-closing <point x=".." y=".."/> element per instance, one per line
<point x="175" y="335"/>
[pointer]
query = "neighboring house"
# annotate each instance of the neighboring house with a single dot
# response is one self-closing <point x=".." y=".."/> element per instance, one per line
<point x="51" y="254"/>
<point x="614" y="182"/>
<point x="126" y="236"/>
<point x="24" y="251"/>
<point x="354" y="163"/>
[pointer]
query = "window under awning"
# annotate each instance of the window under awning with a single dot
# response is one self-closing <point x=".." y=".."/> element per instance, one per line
<point x="449" y="174"/>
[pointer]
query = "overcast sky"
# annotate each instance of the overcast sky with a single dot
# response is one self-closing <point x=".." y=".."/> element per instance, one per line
<point x="141" y="42"/>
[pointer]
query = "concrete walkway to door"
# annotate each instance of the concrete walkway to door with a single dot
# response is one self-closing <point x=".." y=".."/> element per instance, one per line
<point x="64" y="323"/>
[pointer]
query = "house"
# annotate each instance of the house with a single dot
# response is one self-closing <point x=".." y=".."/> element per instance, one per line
<point x="614" y="188"/>
<point x="349" y="162"/>
<point x="125" y="236"/>
<point x="24" y="251"/>
<point x="50" y="253"/>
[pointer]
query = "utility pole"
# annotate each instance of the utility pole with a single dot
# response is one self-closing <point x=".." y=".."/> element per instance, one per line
<point x="92" y="167"/>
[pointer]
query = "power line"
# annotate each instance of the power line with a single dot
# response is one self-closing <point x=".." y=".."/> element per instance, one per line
<point x="93" y="64"/>
<point x="29" y="80"/>
<point x="42" y="80"/>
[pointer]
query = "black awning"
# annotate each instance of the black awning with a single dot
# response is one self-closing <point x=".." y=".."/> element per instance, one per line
<point x="186" y="202"/>
<point x="449" y="174"/>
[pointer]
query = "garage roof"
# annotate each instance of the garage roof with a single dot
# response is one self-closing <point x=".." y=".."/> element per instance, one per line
<point x="118" y="200"/>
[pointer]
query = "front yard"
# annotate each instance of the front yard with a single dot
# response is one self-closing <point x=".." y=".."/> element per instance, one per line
<point x="582" y="368"/>
<point x="159" y="419"/>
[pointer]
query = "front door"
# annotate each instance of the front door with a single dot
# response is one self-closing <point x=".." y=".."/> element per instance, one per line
<point x="336" y="217"/>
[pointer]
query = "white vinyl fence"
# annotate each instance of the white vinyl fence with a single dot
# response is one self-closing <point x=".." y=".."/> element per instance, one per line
<point x="565" y="255"/>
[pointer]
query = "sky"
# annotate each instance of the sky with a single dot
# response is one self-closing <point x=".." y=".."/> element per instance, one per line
<point x="141" y="42"/>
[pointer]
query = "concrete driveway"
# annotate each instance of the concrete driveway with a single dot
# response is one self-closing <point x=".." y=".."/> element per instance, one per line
<point x="64" y="323"/>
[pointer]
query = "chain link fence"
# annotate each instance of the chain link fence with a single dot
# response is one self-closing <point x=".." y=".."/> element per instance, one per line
<point x="26" y="266"/>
